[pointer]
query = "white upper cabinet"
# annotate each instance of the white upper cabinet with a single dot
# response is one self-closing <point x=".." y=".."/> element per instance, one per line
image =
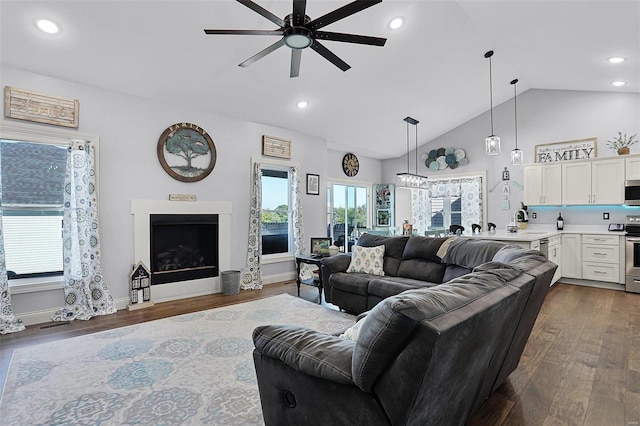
<point x="593" y="182"/>
<point x="541" y="184"/>
<point x="633" y="168"/>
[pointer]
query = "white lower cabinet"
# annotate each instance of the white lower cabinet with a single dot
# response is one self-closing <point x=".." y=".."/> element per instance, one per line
<point x="555" y="256"/>
<point x="601" y="258"/>
<point x="572" y="256"/>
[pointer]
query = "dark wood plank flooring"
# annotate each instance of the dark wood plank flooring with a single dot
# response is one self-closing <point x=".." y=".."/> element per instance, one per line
<point x="581" y="365"/>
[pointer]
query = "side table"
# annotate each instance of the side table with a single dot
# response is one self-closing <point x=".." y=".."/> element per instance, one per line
<point x="316" y="282"/>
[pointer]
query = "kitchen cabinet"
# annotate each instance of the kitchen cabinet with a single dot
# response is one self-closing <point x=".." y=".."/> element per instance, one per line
<point x="572" y="256"/>
<point x="541" y="184"/>
<point x="632" y="168"/>
<point x="555" y="256"/>
<point x="593" y="182"/>
<point x="601" y="257"/>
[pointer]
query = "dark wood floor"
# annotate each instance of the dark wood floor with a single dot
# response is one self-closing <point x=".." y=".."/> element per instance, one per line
<point x="581" y="365"/>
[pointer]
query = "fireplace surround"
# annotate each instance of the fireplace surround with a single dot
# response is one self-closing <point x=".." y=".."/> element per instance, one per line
<point x="143" y="210"/>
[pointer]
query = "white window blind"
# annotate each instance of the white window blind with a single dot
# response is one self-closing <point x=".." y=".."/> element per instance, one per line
<point x="33" y="244"/>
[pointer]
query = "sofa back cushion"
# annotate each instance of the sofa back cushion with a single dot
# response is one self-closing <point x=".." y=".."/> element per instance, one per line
<point x="390" y="325"/>
<point x="393" y="249"/>
<point x="420" y="260"/>
<point x="471" y="252"/>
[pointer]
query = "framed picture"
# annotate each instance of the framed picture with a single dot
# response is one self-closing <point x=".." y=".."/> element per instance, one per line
<point x="320" y="246"/>
<point x="566" y="151"/>
<point x="186" y="152"/>
<point x="313" y="184"/>
<point x="276" y="147"/>
<point x="383" y="217"/>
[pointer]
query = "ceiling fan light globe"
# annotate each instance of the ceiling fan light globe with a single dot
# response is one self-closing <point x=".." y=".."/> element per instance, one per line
<point x="298" y="41"/>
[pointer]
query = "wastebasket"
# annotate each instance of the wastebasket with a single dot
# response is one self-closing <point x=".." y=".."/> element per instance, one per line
<point x="230" y="282"/>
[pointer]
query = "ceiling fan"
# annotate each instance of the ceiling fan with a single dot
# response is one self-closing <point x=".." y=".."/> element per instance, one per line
<point x="298" y="31"/>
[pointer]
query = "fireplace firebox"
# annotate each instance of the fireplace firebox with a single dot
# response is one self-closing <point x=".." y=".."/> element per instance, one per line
<point x="183" y="247"/>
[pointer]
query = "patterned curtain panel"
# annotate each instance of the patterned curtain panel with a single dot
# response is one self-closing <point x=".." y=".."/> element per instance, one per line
<point x="86" y="294"/>
<point x="299" y="246"/>
<point x="252" y="274"/>
<point x="471" y="194"/>
<point x="420" y="210"/>
<point x="8" y="321"/>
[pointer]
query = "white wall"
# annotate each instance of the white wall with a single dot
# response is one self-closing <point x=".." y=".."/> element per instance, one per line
<point x="544" y="116"/>
<point x="129" y="129"/>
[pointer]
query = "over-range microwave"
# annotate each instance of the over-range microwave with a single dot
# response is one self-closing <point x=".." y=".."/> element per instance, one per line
<point x="632" y="192"/>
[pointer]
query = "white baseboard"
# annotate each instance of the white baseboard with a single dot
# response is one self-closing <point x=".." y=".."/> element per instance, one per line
<point x="44" y="316"/>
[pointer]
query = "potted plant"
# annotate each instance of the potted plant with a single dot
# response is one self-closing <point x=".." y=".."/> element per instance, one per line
<point x="522" y="219"/>
<point x="622" y="143"/>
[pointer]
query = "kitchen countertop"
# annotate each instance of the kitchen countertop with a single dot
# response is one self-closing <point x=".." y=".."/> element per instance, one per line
<point x="536" y="232"/>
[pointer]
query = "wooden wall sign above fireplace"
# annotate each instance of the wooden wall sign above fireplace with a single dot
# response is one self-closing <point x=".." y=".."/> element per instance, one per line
<point x="40" y="108"/>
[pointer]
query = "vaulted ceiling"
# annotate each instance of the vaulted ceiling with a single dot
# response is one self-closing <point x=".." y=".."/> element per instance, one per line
<point x="432" y="68"/>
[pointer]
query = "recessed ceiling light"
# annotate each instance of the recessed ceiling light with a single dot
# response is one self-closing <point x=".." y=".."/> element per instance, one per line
<point x="48" y="26"/>
<point x="616" y="59"/>
<point x="302" y="104"/>
<point x="396" y="23"/>
<point x="618" y="83"/>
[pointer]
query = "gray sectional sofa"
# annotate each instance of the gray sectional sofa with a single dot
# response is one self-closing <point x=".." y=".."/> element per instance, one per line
<point x="429" y="355"/>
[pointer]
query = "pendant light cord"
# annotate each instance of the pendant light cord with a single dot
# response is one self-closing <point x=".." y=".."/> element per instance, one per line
<point x="515" y="108"/>
<point x="491" y="93"/>
<point x="408" y="148"/>
<point x="416" y="149"/>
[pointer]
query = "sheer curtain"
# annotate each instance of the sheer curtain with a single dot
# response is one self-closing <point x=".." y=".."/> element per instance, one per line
<point x="86" y="294"/>
<point x="8" y="321"/>
<point x="468" y="189"/>
<point x="299" y="245"/>
<point x="252" y="273"/>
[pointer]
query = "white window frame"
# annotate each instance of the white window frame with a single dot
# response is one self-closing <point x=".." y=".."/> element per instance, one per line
<point x="368" y="186"/>
<point x="37" y="134"/>
<point x="278" y="165"/>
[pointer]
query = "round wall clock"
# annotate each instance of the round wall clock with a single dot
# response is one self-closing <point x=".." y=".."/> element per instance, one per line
<point x="186" y="152"/>
<point x="350" y="164"/>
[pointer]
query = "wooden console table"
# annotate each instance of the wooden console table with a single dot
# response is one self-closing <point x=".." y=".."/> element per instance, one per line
<point x="316" y="282"/>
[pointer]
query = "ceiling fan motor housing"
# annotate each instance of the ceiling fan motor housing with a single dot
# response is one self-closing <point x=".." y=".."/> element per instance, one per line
<point x="297" y="37"/>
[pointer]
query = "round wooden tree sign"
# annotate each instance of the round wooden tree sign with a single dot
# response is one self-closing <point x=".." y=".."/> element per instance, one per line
<point x="186" y="152"/>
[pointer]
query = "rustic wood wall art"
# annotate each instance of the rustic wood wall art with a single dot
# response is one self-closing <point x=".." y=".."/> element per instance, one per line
<point x="40" y="108"/>
<point x="276" y="147"/>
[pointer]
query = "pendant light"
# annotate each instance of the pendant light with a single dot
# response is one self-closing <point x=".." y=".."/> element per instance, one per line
<point x="492" y="142"/>
<point x="517" y="156"/>
<point x="411" y="180"/>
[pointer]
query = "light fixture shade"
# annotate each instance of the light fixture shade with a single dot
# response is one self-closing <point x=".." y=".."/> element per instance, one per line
<point x="517" y="157"/>
<point x="411" y="181"/>
<point x="492" y="145"/>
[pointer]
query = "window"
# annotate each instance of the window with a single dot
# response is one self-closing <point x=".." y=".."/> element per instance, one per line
<point x="32" y="198"/>
<point x="446" y="211"/>
<point x="32" y="169"/>
<point x="348" y="213"/>
<point x="276" y="210"/>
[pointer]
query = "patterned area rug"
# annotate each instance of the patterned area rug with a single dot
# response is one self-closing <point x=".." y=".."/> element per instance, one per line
<point x="191" y="369"/>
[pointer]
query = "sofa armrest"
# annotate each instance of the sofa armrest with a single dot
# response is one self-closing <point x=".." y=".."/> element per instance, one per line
<point x="337" y="263"/>
<point x="309" y="351"/>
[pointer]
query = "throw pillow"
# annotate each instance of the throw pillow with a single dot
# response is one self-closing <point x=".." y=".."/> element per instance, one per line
<point x="367" y="260"/>
<point x="351" y="333"/>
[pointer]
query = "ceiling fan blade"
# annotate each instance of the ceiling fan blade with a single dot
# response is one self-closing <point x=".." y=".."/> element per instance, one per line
<point x="350" y="38"/>
<point x="296" y="56"/>
<point x="262" y="53"/>
<point x="299" y="8"/>
<point x="246" y="32"/>
<point x="262" y="11"/>
<point x="341" y="13"/>
<point x="330" y="56"/>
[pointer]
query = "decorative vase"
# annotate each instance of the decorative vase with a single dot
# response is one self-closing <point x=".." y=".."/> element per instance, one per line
<point x="623" y="151"/>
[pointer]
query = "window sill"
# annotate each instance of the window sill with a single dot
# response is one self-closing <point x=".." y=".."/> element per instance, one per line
<point x="33" y="285"/>
<point x="277" y="258"/>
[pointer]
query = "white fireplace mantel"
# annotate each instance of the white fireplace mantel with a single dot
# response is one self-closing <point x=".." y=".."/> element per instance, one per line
<point x="143" y="209"/>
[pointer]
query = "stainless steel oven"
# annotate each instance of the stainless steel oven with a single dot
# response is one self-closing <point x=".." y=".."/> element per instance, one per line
<point x="632" y="254"/>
